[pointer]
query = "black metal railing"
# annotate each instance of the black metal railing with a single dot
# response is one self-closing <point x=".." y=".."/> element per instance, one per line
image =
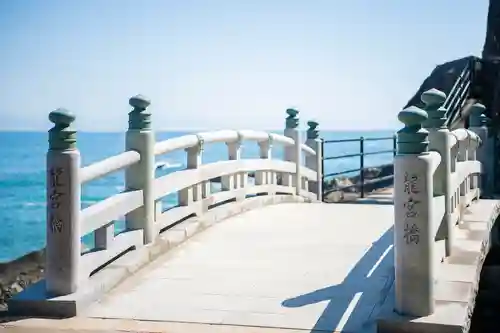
<point x="459" y="93"/>
<point x="362" y="183"/>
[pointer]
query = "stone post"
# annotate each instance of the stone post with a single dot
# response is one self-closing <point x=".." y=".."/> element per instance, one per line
<point x="290" y="152"/>
<point x="158" y="209"/>
<point x="484" y="153"/>
<point x="314" y="162"/>
<point x="413" y="238"/>
<point x="474" y="144"/>
<point x="297" y="180"/>
<point x="440" y="141"/>
<point x="189" y="195"/>
<point x="63" y="207"/>
<point x="140" y="137"/>
<point x="265" y="152"/>
<point x="238" y="180"/>
<point x="462" y="156"/>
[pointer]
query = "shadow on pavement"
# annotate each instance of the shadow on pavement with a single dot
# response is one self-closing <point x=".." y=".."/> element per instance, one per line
<point x="353" y="305"/>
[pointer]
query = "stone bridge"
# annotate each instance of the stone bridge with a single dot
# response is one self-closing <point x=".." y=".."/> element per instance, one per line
<point x="265" y="256"/>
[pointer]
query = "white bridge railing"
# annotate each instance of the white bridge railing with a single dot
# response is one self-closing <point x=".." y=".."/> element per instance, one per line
<point x="437" y="175"/>
<point x="68" y="268"/>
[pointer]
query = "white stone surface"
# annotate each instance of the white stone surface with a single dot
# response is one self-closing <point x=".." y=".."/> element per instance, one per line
<point x="415" y="233"/>
<point x="299" y="266"/>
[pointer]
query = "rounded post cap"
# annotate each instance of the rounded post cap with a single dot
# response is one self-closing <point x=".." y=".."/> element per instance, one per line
<point x="61" y="117"/>
<point x="433" y="97"/>
<point x="292" y="112"/>
<point x="139" y="102"/>
<point x="312" y="124"/>
<point x="478" y="108"/>
<point x="412" y="116"/>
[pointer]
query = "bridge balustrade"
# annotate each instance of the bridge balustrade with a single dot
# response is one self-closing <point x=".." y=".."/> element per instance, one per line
<point x="437" y="176"/>
<point x="68" y="268"/>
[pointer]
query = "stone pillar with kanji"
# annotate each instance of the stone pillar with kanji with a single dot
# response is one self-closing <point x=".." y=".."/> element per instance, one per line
<point x="413" y="238"/>
<point x="63" y="207"/>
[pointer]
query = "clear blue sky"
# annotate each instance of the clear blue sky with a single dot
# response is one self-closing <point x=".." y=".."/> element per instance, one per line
<point x="209" y="64"/>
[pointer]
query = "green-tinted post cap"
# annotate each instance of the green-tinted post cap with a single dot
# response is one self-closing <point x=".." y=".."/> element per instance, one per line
<point x="312" y="124"/>
<point x="434" y="100"/>
<point x="139" y="102"/>
<point x="292" y="113"/>
<point x="62" y="136"/>
<point x="139" y="118"/>
<point x="412" y="139"/>
<point x="62" y="117"/>
<point x="477" y="115"/>
<point x="292" y="121"/>
<point x="312" y="132"/>
<point x="412" y="116"/>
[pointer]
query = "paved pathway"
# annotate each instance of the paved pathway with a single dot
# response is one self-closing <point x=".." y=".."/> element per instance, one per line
<point x="324" y="266"/>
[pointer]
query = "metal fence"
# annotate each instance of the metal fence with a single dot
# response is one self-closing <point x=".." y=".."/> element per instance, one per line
<point x="362" y="182"/>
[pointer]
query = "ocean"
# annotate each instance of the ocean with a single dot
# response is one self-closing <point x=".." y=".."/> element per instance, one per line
<point x="22" y="176"/>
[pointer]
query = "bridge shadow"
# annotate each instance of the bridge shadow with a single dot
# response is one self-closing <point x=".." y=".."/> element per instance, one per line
<point x="353" y="305"/>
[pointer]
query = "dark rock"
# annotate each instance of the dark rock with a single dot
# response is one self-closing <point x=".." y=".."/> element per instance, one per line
<point x="20" y="273"/>
<point x="491" y="48"/>
<point x="352" y="184"/>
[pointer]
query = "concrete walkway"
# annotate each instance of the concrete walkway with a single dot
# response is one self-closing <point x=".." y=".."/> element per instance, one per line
<point x="324" y="267"/>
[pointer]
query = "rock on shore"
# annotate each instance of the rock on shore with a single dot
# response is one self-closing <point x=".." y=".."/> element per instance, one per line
<point x="341" y="188"/>
<point x="19" y="273"/>
<point x="346" y="188"/>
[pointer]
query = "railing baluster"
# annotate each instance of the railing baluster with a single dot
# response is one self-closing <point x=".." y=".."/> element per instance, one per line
<point x="394" y="145"/>
<point x="140" y="176"/>
<point x="265" y="152"/>
<point x="189" y="195"/>
<point x="298" y="163"/>
<point x="63" y="207"/>
<point x="290" y="153"/>
<point x="315" y="162"/>
<point x="236" y="180"/>
<point x="440" y="141"/>
<point x="478" y="124"/>
<point x="322" y="170"/>
<point x="104" y="236"/>
<point x="362" y="165"/>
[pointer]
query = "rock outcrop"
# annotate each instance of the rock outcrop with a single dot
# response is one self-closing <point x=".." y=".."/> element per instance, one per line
<point x="346" y="188"/>
<point x="19" y="273"/>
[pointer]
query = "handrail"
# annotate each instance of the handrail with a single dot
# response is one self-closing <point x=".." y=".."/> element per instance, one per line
<point x="226" y="136"/>
<point x="298" y="175"/>
<point x="108" y="165"/>
<point x="437" y="177"/>
<point x="123" y="160"/>
<point x="362" y="183"/>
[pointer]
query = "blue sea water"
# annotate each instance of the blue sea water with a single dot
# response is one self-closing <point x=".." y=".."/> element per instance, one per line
<point x="22" y="176"/>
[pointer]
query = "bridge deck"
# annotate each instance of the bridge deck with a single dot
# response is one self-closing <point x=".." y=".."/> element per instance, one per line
<point x="326" y="267"/>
